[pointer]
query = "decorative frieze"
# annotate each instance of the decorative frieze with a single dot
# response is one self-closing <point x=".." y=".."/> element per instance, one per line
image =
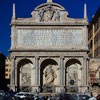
<point x="46" y="54"/>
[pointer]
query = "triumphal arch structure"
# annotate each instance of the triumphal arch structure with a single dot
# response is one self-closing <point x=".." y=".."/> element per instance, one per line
<point x="49" y="50"/>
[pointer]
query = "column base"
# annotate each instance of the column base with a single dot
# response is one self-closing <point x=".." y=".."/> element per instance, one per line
<point x="83" y="88"/>
<point x="35" y="89"/>
<point x="60" y="89"/>
<point x="13" y="87"/>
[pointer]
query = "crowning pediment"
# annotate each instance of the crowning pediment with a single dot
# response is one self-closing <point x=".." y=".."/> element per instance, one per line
<point x="49" y="12"/>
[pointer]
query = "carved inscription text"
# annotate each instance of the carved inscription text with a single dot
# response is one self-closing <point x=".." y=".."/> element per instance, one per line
<point x="50" y="37"/>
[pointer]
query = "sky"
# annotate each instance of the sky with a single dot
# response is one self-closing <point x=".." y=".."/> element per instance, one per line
<point x="24" y="8"/>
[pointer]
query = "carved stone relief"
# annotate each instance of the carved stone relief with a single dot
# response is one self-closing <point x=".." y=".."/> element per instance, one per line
<point x="50" y="75"/>
<point x="25" y="74"/>
<point x="49" y="13"/>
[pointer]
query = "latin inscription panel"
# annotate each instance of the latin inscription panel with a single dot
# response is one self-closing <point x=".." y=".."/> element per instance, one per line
<point x="50" y="37"/>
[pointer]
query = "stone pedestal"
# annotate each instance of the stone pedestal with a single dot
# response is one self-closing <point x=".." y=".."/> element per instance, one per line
<point x="13" y="87"/>
<point x="60" y="89"/>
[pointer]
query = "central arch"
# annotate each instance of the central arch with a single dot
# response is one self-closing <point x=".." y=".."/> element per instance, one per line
<point x="48" y="75"/>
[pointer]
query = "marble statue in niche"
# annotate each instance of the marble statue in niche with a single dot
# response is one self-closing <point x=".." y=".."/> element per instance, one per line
<point x="40" y="13"/>
<point x="25" y="74"/>
<point x="56" y="16"/>
<point x="48" y="14"/>
<point x="26" y="79"/>
<point x="50" y="75"/>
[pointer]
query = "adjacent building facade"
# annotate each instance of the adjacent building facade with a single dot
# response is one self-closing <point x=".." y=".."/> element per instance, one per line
<point x="94" y="75"/>
<point x="94" y="36"/>
<point x="49" y="51"/>
<point x="7" y="70"/>
<point x="94" y="54"/>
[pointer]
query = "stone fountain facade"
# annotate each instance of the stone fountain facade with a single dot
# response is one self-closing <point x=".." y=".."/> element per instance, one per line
<point x="49" y="51"/>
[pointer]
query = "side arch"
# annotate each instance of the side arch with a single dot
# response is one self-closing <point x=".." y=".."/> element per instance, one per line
<point x="24" y="74"/>
<point x="73" y="75"/>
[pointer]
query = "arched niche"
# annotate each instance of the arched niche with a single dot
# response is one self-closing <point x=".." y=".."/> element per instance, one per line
<point x="24" y="73"/>
<point x="73" y="75"/>
<point x="48" y="75"/>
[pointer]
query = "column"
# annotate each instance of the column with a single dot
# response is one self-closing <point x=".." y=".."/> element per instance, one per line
<point x="85" y="71"/>
<point x="87" y="67"/>
<point x="62" y="73"/>
<point x="84" y="74"/>
<point x="12" y="79"/>
<point x="16" y="85"/>
<point x="36" y="73"/>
